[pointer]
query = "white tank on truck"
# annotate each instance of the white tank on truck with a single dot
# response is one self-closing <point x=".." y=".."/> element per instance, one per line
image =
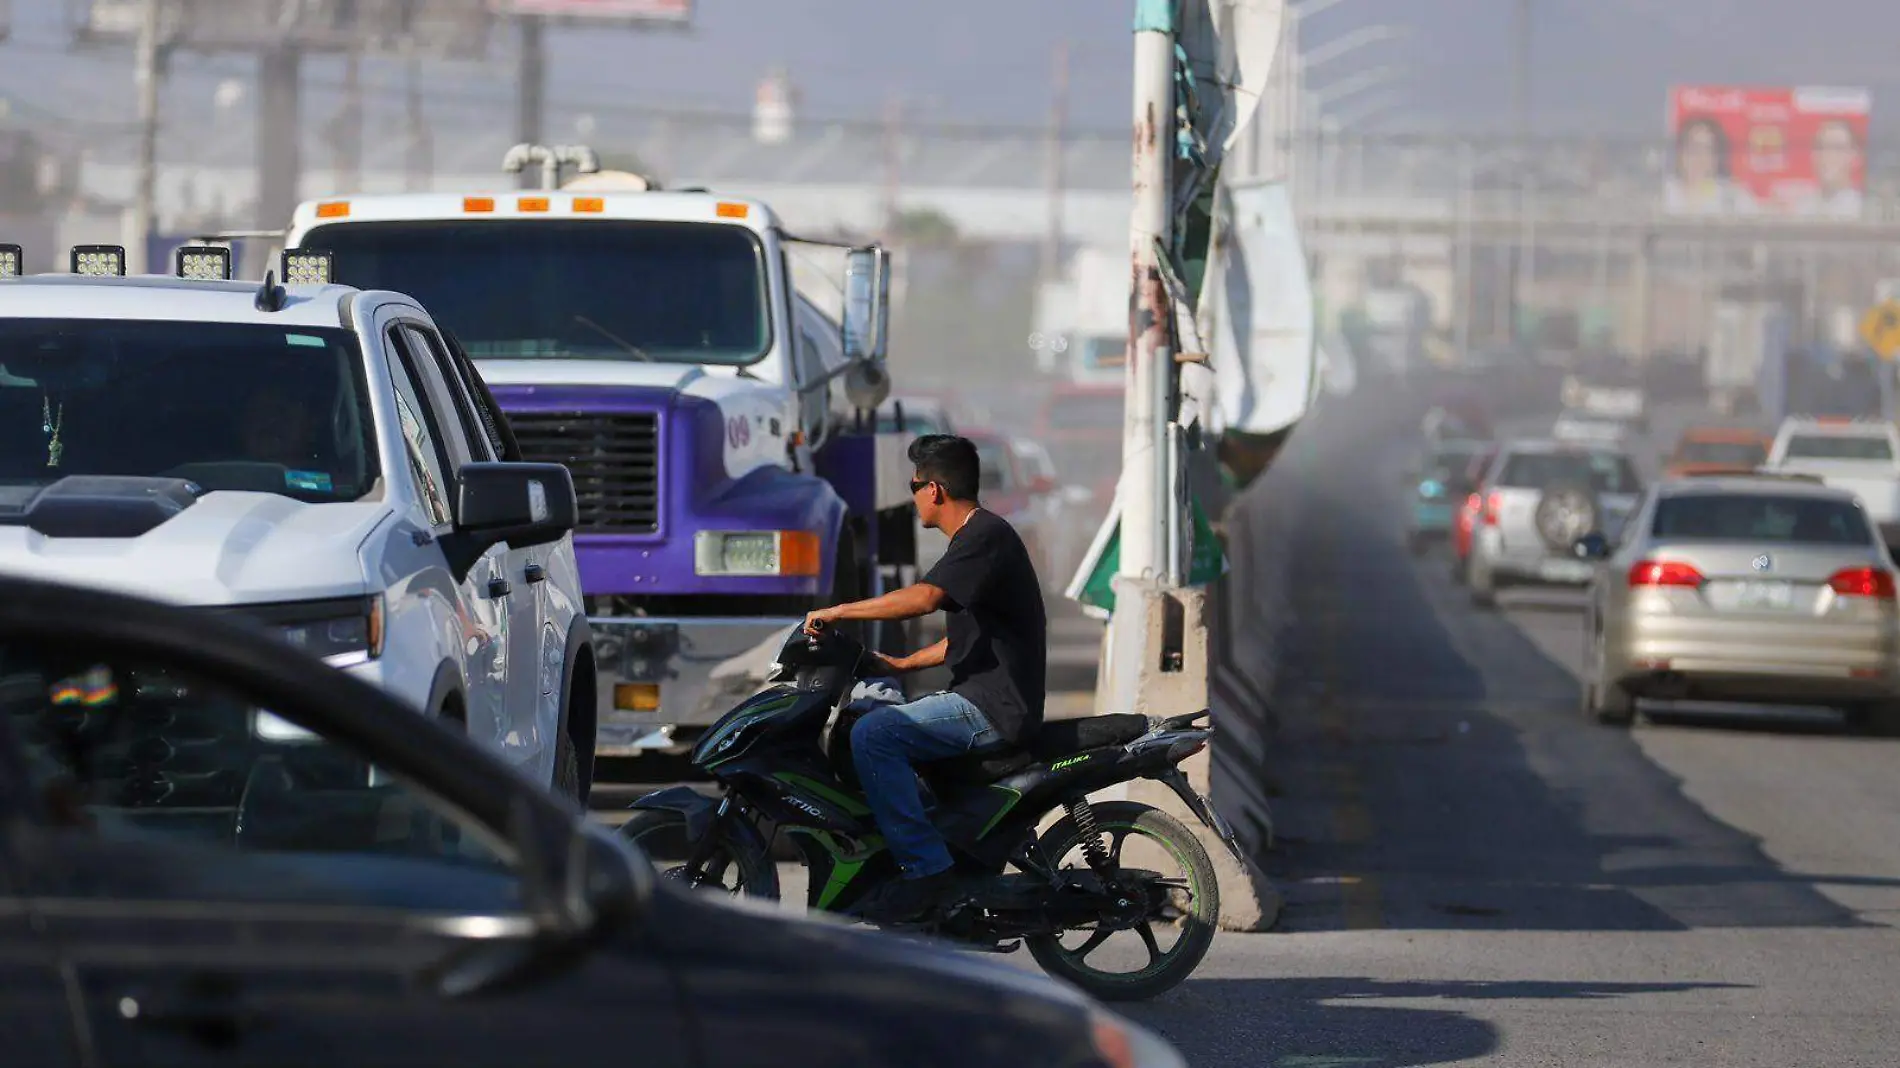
<point x="717" y="422"/>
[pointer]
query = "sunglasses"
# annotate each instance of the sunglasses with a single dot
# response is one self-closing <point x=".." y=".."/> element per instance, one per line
<point x="916" y="485"/>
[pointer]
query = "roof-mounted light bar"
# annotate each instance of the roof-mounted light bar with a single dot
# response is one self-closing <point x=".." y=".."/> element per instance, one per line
<point x="12" y="261"/>
<point x="203" y="262"/>
<point x="307" y="267"/>
<point x="99" y="261"/>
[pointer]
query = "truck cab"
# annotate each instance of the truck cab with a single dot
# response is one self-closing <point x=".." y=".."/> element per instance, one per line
<point x="718" y="423"/>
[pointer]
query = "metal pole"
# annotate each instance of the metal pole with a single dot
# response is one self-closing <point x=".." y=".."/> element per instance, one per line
<point x="1144" y="526"/>
<point x="1521" y="106"/>
<point x="1466" y="181"/>
<point x="279" y="135"/>
<point x="1058" y="117"/>
<point x="530" y="113"/>
<point x="145" y="196"/>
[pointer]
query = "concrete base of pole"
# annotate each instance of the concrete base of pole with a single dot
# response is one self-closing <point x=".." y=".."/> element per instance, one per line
<point x="1160" y="622"/>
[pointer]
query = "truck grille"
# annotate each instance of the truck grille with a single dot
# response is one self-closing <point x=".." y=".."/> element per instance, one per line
<point x="614" y="458"/>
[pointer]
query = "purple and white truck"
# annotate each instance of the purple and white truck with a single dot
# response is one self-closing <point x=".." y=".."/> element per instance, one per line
<point x="716" y="420"/>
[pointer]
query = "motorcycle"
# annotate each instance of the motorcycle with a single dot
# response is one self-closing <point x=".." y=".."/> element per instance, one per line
<point x="782" y="764"/>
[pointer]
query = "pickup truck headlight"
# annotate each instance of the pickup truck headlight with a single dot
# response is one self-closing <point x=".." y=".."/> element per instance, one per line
<point x="340" y="633"/>
<point x="756" y="552"/>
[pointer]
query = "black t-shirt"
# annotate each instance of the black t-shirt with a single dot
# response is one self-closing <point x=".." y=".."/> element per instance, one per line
<point x="999" y="637"/>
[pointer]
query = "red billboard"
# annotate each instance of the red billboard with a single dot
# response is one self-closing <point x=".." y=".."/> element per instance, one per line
<point x="676" y="11"/>
<point x="1767" y="151"/>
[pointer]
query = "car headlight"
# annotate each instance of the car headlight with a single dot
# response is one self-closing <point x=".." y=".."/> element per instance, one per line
<point x="1125" y="1045"/>
<point x="341" y="633"/>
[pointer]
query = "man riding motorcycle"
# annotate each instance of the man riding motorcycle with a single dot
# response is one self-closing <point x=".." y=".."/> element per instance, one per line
<point x="996" y="649"/>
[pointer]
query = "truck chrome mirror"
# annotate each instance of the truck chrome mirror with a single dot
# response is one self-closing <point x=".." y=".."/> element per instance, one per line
<point x="867" y="288"/>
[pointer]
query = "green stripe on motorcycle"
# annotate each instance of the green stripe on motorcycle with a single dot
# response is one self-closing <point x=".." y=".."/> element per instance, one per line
<point x="842" y="800"/>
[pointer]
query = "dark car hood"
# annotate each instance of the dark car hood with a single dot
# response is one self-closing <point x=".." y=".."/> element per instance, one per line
<point x="758" y="973"/>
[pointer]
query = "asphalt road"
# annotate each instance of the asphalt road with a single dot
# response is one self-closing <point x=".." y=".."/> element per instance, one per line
<point x="1477" y="875"/>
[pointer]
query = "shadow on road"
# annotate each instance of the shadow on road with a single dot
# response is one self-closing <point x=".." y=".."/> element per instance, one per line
<point x="1335" y="1022"/>
<point x="1430" y="767"/>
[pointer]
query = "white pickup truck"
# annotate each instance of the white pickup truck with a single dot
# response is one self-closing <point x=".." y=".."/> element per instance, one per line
<point x="1861" y="456"/>
<point x="309" y="456"/>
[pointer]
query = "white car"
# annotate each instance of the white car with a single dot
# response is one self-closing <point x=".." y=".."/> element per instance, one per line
<point x="313" y="457"/>
<point x="1860" y="456"/>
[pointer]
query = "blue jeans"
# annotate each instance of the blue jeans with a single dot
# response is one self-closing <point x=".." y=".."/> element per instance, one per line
<point x="886" y="743"/>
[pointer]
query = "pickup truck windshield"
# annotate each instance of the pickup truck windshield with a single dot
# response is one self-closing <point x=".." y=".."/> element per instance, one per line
<point x="1838" y="447"/>
<point x="1739" y="453"/>
<point x="230" y="406"/>
<point x="607" y="289"/>
<point x="1756" y="518"/>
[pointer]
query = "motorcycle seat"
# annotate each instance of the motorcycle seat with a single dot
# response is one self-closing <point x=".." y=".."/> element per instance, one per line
<point x="1056" y="739"/>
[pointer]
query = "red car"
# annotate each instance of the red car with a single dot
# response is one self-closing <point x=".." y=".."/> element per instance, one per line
<point x="1081" y="425"/>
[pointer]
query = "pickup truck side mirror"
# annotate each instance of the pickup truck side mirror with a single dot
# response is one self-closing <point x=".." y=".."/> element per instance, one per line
<point x="865" y="328"/>
<point x="521" y="504"/>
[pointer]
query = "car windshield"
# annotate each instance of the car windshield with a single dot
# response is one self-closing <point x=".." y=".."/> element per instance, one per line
<point x="518" y="289"/>
<point x="140" y="752"/>
<point x="1761" y="518"/>
<point x="1085" y="411"/>
<point x="1450" y="465"/>
<point x="1739" y="453"/>
<point x="1839" y="447"/>
<point x="1603" y="472"/>
<point x="915" y="422"/>
<point x="230" y="406"/>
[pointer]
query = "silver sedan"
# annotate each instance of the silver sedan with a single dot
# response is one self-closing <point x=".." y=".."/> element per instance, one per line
<point x="1743" y="588"/>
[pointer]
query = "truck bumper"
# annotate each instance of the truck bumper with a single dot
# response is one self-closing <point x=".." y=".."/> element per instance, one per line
<point x="664" y="681"/>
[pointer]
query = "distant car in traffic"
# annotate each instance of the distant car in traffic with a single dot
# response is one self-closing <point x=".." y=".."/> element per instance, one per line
<point x="381" y="890"/>
<point x="1465" y="521"/>
<point x="1435" y="488"/>
<point x="1861" y="456"/>
<point x="1705" y="450"/>
<point x="1081" y="426"/>
<point x="1743" y="588"/>
<point x="1592" y="428"/>
<point x="1539" y="497"/>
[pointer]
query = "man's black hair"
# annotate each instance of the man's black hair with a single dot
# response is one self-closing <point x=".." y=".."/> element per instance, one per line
<point x="950" y="462"/>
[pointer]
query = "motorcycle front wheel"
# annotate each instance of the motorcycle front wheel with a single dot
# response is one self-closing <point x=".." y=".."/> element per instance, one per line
<point x="1136" y="837"/>
<point x="734" y="866"/>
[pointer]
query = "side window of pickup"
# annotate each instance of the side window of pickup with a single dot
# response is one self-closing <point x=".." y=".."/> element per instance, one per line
<point x="483" y="442"/>
<point x="427" y="462"/>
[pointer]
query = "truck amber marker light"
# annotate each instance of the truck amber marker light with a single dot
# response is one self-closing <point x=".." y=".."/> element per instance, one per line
<point x="334" y="209"/>
<point x="478" y="204"/>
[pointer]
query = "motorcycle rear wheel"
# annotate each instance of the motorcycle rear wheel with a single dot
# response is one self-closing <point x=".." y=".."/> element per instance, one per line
<point x="1117" y="821"/>
<point x="661" y="835"/>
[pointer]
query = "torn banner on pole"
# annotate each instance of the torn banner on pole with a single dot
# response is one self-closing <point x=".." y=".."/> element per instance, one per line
<point x="1224" y="53"/>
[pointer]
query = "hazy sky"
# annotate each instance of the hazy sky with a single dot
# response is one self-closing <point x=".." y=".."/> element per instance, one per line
<point x="1600" y="65"/>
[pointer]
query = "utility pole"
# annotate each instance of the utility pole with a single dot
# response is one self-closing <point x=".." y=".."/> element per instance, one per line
<point x="419" y="159"/>
<point x="1140" y="645"/>
<point x="1058" y="119"/>
<point x="893" y="129"/>
<point x="145" y="196"/>
<point x="346" y="129"/>
<point x="531" y="104"/>
<point x="279" y="132"/>
<point x="1521" y="106"/>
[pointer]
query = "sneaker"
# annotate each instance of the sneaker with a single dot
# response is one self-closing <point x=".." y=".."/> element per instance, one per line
<point x="907" y="900"/>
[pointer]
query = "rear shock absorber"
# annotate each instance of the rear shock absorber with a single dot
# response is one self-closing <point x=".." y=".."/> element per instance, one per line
<point x="1092" y="848"/>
